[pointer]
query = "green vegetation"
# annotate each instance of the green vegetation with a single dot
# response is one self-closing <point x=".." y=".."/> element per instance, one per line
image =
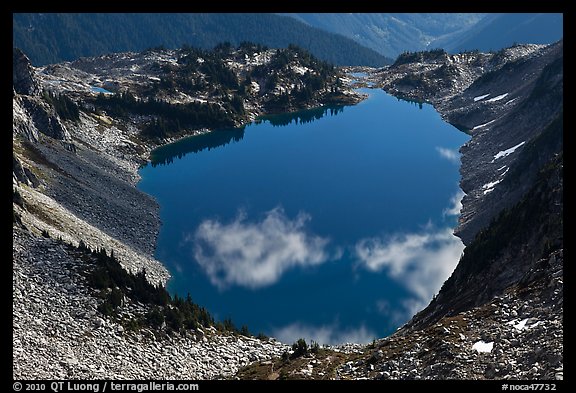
<point x="214" y="79"/>
<point x="54" y="37"/>
<point x="325" y="361"/>
<point x="174" y="314"/>
<point x="300" y="349"/>
<point x="170" y="118"/>
<point x="64" y="106"/>
<point x="421" y="56"/>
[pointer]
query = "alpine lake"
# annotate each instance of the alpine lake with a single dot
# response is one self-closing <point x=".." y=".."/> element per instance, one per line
<point x="332" y="224"/>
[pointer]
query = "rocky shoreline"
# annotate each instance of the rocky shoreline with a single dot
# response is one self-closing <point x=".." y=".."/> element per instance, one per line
<point x="59" y="334"/>
<point x="84" y="189"/>
<point x="486" y="95"/>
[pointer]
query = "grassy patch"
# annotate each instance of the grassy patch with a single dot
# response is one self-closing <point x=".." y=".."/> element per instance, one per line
<point x="45" y="215"/>
<point x="33" y="153"/>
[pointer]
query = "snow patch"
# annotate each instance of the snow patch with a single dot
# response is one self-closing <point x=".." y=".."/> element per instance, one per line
<point x="523" y="324"/>
<point x="498" y="98"/>
<point x="489" y="187"/>
<point x="520" y="325"/>
<point x="507" y="152"/>
<point x="481" y="97"/>
<point x="300" y="70"/>
<point x="491" y="184"/>
<point x="484" y="125"/>
<point x="482" y="346"/>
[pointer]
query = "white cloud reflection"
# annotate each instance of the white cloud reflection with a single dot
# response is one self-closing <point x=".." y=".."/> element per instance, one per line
<point x="324" y="334"/>
<point x="420" y="262"/>
<point x="256" y="254"/>
<point x="449" y="154"/>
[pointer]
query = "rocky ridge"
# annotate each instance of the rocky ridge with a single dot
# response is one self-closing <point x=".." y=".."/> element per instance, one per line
<point x="489" y="96"/>
<point x="518" y="335"/>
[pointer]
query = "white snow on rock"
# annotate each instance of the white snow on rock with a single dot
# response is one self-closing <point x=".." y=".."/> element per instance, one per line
<point x="489" y="187"/>
<point x="507" y="152"/>
<point x="300" y="70"/>
<point x="497" y="98"/>
<point x="520" y="325"/>
<point x="481" y="97"/>
<point x="484" y="124"/>
<point x="523" y="324"/>
<point x="482" y="346"/>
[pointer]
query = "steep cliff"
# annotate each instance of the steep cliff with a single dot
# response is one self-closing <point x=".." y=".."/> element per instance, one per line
<point x="504" y="100"/>
<point x="512" y="174"/>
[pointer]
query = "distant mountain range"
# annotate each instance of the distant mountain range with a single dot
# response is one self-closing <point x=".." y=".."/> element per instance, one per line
<point x="51" y="38"/>
<point x="391" y="34"/>
<point x="496" y="31"/>
<point x="371" y="39"/>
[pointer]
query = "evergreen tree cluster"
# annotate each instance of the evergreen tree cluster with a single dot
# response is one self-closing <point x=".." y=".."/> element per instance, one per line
<point x="174" y="314"/>
<point x="300" y="349"/>
<point x="207" y="72"/>
<point x="321" y="77"/>
<point x="169" y="118"/>
<point x="64" y="106"/>
<point x="421" y="56"/>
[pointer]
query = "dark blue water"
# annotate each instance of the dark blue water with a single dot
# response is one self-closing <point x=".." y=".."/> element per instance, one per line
<point x="332" y="224"/>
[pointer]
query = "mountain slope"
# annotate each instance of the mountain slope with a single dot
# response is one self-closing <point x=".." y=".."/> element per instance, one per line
<point x="511" y="215"/>
<point x="392" y="34"/>
<point x="51" y="38"/>
<point x="498" y="31"/>
<point x="388" y="33"/>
